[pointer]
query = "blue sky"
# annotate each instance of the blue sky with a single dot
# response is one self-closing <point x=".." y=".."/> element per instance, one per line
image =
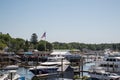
<point x="84" y="21"/>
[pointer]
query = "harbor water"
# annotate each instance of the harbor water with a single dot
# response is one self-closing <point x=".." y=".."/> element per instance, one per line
<point x="24" y="72"/>
<point x="86" y="68"/>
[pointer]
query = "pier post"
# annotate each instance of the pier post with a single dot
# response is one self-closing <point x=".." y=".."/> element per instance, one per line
<point x="62" y="68"/>
<point x="79" y="66"/>
<point x="11" y="76"/>
<point x="82" y="68"/>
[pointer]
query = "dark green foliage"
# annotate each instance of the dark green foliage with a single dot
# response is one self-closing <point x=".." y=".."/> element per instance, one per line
<point x="44" y="46"/>
<point x="81" y="46"/>
<point x="34" y="38"/>
<point x="4" y="40"/>
<point x="2" y="45"/>
<point x="26" y="46"/>
<point x="41" y="46"/>
<point x="58" y="45"/>
<point x="16" y="44"/>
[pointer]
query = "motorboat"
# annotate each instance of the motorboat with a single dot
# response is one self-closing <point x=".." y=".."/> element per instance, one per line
<point x="102" y="75"/>
<point x="43" y="69"/>
<point x="56" y="61"/>
<point x="107" y="68"/>
<point x="10" y="75"/>
<point x="110" y="62"/>
<point x="3" y="76"/>
<point x="11" y="67"/>
<point x="50" y="66"/>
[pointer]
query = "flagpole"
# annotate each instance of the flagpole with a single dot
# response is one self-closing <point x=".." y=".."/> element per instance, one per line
<point x="45" y="41"/>
<point x="44" y="36"/>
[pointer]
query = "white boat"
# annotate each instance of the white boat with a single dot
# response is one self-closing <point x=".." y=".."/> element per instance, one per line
<point x="110" y="62"/>
<point x="13" y="75"/>
<point x="11" y="67"/>
<point x="43" y="69"/>
<point x="102" y="75"/>
<point x="50" y="66"/>
<point x="3" y="76"/>
<point x="56" y="61"/>
<point x="107" y="68"/>
<point x="10" y="75"/>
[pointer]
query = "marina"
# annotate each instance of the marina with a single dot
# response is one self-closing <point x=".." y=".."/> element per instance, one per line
<point x="59" y="40"/>
<point x="59" y="65"/>
<point x="55" y="65"/>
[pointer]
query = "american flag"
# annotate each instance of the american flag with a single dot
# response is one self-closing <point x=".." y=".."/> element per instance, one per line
<point x="44" y="35"/>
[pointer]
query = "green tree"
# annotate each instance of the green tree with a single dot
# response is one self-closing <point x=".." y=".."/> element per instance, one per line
<point x="34" y="40"/>
<point x="2" y="45"/>
<point x="44" y="46"/>
<point x="27" y="45"/>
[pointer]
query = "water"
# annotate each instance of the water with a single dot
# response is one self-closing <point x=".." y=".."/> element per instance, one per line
<point x="86" y="68"/>
<point x="29" y="75"/>
<point x="25" y="73"/>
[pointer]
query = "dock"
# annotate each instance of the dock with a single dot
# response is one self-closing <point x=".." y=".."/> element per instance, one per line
<point x="77" y="72"/>
<point x="44" y="75"/>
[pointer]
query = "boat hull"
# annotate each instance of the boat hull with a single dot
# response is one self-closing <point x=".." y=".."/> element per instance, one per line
<point x="43" y="71"/>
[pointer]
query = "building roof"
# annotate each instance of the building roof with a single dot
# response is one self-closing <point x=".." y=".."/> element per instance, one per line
<point x="60" y="53"/>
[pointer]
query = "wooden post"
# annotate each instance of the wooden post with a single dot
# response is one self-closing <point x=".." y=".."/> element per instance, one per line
<point x="62" y="68"/>
<point x="82" y="68"/>
<point x="11" y="75"/>
<point x="79" y="66"/>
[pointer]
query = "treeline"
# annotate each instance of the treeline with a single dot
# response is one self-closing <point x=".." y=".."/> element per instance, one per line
<point x="8" y="43"/>
<point x="81" y="46"/>
<point x="16" y="44"/>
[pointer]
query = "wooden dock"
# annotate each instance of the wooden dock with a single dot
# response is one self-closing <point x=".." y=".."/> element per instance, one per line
<point x="77" y="72"/>
<point x="44" y="75"/>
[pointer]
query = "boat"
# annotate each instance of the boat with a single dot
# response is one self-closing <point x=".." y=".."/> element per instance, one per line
<point x="50" y="66"/>
<point x="110" y="63"/>
<point x="11" y="67"/>
<point x="43" y="69"/>
<point x="102" y="75"/>
<point x="56" y="61"/>
<point x="3" y="76"/>
<point x="10" y="75"/>
<point x="106" y="69"/>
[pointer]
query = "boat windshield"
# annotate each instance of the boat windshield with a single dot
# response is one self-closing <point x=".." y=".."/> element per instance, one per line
<point x="50" y="60"/>
<point x="54" y="60"/>
<point x="113" y="74"/>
